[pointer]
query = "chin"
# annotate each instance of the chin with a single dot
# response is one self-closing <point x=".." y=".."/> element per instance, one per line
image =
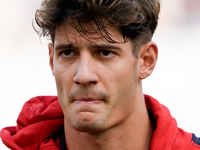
<point x="88" y="126"/>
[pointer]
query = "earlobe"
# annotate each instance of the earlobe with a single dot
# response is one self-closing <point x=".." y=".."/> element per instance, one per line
<point x="51" y="54"/>
<point x="148" y="55"/>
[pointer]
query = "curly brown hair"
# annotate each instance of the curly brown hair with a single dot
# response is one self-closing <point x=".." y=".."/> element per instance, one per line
<point x="137" y="19"/>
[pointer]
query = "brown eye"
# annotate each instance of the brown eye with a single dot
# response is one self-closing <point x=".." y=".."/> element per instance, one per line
<point x="67" y="53"/>
<point x="106" y="53"/>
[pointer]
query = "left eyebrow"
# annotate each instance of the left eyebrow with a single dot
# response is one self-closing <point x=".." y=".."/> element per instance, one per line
<point x="105" y="46"/>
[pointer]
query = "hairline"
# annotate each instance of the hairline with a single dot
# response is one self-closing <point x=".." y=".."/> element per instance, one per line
<point x="135" y="45"/>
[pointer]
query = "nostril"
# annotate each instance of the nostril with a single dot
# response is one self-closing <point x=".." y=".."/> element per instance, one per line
<point x="85" y="83"/>
<point x="76" y="82"/>
<point x="93" y="82"/>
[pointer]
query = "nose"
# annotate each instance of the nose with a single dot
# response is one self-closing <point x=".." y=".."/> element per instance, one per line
<point x="86" y="74"/>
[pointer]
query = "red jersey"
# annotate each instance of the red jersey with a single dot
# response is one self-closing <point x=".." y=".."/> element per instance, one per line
<point x="40" y="126"/>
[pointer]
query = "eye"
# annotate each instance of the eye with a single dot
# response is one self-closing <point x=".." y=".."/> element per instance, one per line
<point x="106" y="53"/>
<point x="67" y="53"/>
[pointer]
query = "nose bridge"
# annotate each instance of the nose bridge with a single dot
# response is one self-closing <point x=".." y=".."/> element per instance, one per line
<point x="85" y="66"/>
<point x="85" y="71"/>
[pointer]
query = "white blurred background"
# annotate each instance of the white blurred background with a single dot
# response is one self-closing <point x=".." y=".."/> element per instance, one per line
<point x="24" y="70"/>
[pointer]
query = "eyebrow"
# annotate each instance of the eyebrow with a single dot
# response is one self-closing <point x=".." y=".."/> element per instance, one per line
<point x="64" y="46"/>
<point x="105" y="46"/>
<point x="95" y="46"/>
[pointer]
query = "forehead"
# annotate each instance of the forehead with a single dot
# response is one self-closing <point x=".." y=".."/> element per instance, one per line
<point x="66" y="32"/>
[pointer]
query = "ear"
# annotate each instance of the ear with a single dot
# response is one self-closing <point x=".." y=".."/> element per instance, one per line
<point x="148" y="55"/>
<point x="51" y="55"/>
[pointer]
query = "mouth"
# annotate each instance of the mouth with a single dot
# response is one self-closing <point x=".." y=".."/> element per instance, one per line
<point x="88" y="104"/>
<point x="88" y="100"/>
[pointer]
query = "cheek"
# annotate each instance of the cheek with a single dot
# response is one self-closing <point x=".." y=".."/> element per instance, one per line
<point x="64" y="81"/>
<point x="63" y="76"/>
<point x="123" y="86"/>
<point x="122" y="78"/>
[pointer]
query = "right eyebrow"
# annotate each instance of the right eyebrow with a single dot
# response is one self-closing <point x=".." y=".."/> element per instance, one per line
<point x="64" y="46"/>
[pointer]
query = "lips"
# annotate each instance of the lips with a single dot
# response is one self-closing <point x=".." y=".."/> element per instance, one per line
<point x="87" y="100"/>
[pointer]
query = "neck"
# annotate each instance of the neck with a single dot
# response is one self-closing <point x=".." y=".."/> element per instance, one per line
<point x="135" y="133"/>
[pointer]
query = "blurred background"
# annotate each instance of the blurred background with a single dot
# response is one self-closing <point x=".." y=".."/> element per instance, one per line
<point x="25" y="73"/>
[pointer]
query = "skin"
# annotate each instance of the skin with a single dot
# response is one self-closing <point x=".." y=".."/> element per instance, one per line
<point x="100" y="91"/>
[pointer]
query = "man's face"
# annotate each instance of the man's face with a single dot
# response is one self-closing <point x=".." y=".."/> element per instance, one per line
<point x="97" y="81"/>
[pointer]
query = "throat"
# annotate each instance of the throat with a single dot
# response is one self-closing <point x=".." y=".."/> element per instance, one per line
<point x="132" y="135"/>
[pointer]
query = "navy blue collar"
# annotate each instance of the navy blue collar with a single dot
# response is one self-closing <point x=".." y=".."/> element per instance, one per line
<point x="62" y="142"/>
